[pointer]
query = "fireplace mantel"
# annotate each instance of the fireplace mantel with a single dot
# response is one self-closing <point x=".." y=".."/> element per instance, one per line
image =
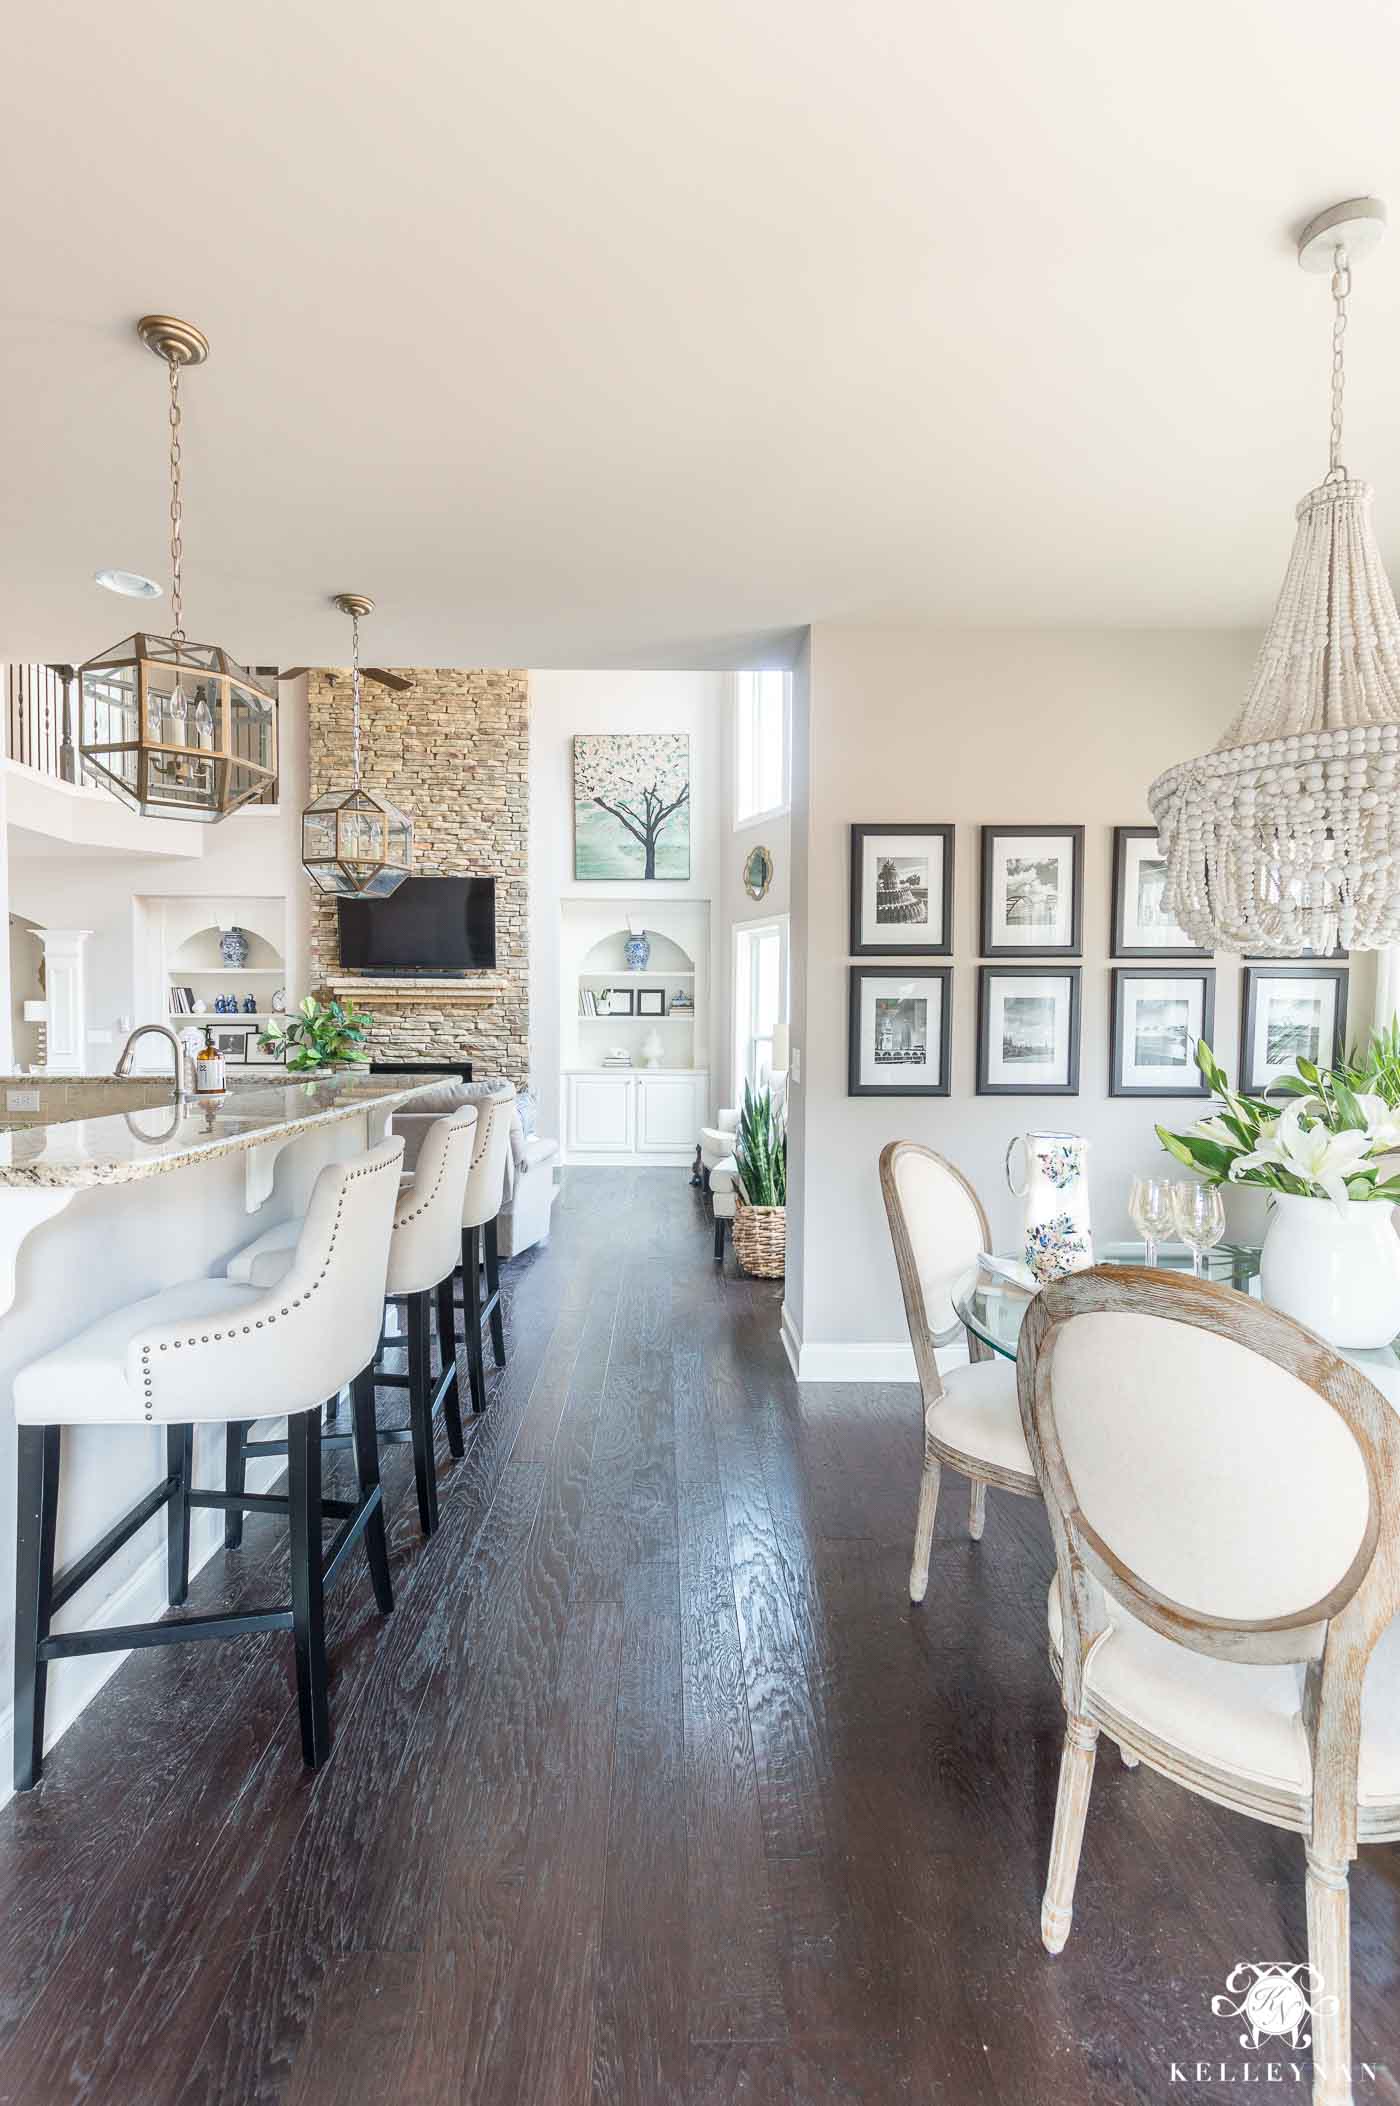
<point x="406" y="991"/>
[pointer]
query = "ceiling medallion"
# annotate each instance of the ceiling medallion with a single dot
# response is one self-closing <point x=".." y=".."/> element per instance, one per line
<point x="1286" y="837"/>
<point x="177" y="730"/>
<point x="353" y="842"/>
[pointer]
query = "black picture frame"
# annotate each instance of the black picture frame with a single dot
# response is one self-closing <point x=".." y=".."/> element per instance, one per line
<point x="224" y="1035"/>
<point x="623" y="995"/>
<point x="854" y="1085"/>
<point x="1075" y="947"/>
<point x="1118" y="946"/>
<point x="1119" y="978"/>
<point x="890" y="948"/>
<point x="651" y="1001"/>
<point x="1251" y="1083"/>
<point x="986" y="976"/>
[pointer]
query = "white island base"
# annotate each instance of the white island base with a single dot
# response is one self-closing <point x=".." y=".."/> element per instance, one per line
<point x="98" y="1211"/>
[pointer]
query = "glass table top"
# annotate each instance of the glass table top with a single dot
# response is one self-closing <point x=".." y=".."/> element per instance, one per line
<point x="992" y="1310"/>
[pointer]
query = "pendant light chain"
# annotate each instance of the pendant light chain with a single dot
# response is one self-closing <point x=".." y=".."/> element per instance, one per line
<point x="177" y="515"/>
<point x="1341" y="287"/>
<point x="355" y="682"/>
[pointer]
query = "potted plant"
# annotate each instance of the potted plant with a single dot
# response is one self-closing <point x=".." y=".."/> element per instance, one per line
<point x="760" y="1218"/>
<point x="1331" y="1257"/>
<point x="319" y="1036"/>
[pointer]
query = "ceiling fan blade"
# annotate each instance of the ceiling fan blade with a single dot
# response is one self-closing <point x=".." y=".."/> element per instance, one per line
<point x="394" y="680"/>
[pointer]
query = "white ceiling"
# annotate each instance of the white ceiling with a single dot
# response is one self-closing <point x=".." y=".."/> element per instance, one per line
<point x="640" y="332"/>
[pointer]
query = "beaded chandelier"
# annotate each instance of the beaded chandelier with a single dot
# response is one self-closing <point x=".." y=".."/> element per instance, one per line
<point x="1286" y="837"/>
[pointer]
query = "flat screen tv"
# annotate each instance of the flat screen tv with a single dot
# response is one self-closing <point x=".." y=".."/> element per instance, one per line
<point x="429" y="925"/>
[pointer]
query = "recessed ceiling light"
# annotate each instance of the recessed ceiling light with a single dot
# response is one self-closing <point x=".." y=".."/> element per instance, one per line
<point x="129" y="583"/>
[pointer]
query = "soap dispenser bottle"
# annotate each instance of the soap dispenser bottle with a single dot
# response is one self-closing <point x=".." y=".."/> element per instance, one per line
<point x="209" y="1067"/>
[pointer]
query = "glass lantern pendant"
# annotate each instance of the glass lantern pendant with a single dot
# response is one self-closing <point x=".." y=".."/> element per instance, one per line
<point x="354" y="843"/>
<point x="177" y="730"/>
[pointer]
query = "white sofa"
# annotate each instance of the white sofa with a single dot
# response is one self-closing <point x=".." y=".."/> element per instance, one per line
<point x="721" y="1171"/>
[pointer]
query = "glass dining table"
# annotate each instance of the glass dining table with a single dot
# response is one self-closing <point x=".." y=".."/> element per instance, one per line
<point x="993" y="1310"/>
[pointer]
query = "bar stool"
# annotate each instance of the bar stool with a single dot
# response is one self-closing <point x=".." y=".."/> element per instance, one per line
<point x="199" y="1352"/>
<point x="422" y="1254"/>
<point x="485" y="1193"/>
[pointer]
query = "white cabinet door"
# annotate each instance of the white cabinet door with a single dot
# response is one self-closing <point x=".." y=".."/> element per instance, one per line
<point x="670" y="1113"/>
<point x="600" y="1114"/>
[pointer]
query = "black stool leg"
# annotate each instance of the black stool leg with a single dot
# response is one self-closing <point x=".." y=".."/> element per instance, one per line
<point x="308" y="1607"/>
<point x="719" y="1239"/>
<point x="471" y="1315"/>
<point x="420" y="1414"/>
<point x="447" y="1353"/>
<point x="179" y="1460"/>
<point x="39" y="1448"/>
<point x="493" y="1288"/>
<point x="367" y="1476"/>
<point x="235" y="1480"/>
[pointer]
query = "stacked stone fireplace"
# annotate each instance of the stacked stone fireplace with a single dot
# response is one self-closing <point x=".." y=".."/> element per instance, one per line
<point x="453" y="750"/>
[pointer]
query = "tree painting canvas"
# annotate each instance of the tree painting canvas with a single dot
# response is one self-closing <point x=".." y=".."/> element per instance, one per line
<point x="632" y="805"/>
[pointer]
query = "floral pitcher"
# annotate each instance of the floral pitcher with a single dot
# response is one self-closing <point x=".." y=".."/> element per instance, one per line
<point x="1056" y="1193"/>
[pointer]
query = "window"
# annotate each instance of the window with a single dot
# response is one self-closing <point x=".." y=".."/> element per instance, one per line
<point x="760" y="998"/>
<point x="762" y="712"/>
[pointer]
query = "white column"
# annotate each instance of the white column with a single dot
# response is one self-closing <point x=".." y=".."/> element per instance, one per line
<point x="66" y="994"/>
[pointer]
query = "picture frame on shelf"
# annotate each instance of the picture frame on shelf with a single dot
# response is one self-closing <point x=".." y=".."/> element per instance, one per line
<point x="1157" y="1016"/>
<point x="1289" y="1010"/>
<point x="255" y="1057"/>
<point x="233" y="1045"/>
<point x="1141" y="924"/>
<point x="1032" y="891"/>
<point x="902" y="891"/>
<point x="1028" y="1024"/>
<point x="900" y="1028"/>
<point x="617" y="1001"/>
<point x="651" y="1001"/>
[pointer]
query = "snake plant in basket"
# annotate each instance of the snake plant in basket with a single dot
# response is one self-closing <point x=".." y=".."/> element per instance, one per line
<point x="760" y="1157"/>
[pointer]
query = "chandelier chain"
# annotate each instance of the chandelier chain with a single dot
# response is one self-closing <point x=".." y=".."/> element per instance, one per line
<point x="1341" y="287"/>
<point x="355" y="684"/>
<point x="177" y="514"/>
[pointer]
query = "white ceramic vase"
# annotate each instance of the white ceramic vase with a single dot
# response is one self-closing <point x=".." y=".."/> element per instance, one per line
<point x="1335" y="1269"/>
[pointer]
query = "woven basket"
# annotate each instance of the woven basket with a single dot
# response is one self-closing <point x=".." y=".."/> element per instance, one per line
<point x="760" y="1240"/>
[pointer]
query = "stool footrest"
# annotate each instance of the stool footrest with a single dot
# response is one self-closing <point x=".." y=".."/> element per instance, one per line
<point x="269" y="1503"/>
<point x="76" y="1575"/>
<point x="132" y="1637"/>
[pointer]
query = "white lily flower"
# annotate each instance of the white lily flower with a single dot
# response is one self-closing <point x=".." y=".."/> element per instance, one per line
<point x="1321" y="1159"/>
<point x="1215" y="1129"/>
<point x="1382" y="1121"/>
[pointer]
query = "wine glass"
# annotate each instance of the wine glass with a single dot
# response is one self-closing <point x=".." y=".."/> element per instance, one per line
<point x="1150" y="1204"/>
<point x="1199" y="1213"/>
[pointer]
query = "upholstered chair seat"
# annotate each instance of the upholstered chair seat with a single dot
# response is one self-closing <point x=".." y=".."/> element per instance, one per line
<point x="978" y="1417"/>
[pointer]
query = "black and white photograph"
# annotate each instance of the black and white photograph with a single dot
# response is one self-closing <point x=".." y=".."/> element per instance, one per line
<point x="1142" y="924"/>
<point x="900" y="1032"/>
<point x="901" y="890"/>
<point x="1027" y="1032"/>
<point x="1032" y="891"/>
<point x="1156" y="1019"/>
<point x="233" y="1045"/>
<point x="1290" y="1011"/>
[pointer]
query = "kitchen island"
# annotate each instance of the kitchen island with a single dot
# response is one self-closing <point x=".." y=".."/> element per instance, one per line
<point x="111" y="1190"/>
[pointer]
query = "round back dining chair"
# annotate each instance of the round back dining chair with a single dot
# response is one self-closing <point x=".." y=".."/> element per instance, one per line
<point x="1224" y="1494"/>
<point x="937" y="1226"/>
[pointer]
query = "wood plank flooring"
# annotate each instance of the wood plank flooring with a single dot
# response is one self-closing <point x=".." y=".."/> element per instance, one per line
<point x="653" y="1790"/>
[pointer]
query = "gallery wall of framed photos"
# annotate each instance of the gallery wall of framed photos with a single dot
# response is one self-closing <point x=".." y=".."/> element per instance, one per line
<point x="1026" y="1028"/>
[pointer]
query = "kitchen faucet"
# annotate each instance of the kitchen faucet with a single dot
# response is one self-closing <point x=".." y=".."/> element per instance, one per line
<point x="123" y="1066"/>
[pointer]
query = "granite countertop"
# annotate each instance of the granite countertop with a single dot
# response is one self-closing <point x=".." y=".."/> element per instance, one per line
<point x="119" y="1147"/>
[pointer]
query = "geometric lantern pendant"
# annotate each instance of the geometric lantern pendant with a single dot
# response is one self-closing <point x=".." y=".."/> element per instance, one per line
<point x="354" y="843"/>
<point x="177" y="730"/>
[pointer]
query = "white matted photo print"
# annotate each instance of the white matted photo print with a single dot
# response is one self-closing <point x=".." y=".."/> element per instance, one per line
<point x="901" y="890"/>
<point x="1143" y="924"/>
<point x="1027" y="1032"/>
<point x="1157" y="1019"/>
<point x="1032" y="890"/>
<point x="1290" y="1010"/>
<point x="900" y="1031"/>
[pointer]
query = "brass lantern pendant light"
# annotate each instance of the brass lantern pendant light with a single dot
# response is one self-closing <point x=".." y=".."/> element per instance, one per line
<point x="353" y="842"/>
<point x="178" y="730"/>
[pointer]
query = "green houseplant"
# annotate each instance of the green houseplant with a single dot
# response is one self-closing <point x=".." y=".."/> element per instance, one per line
<point x="1324" y="1152"/>
<point x="319" y="1035"/>
<point x="760" y="1158"/>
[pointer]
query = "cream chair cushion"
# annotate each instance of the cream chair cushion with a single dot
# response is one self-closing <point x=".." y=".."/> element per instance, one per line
<point x="1242" y="1719"/>
<point x="979" y="1416"/>
<point x="945" y="1231"/>
<point x="85" y="1381"/>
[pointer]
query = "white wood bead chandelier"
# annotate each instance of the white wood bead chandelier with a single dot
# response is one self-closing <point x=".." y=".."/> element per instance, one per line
<point x="1287" y="836"/>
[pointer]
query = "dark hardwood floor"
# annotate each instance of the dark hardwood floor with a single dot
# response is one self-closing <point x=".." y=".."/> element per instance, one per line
<point x="653" y="1790"/>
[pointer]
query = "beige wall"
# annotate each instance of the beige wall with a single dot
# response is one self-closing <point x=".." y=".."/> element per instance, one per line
<point x="972" y="727"/>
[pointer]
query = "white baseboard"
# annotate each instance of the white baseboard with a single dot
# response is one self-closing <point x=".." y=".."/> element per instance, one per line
<point x="73" y="1683"/>
<point x="859" y="1361"/>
